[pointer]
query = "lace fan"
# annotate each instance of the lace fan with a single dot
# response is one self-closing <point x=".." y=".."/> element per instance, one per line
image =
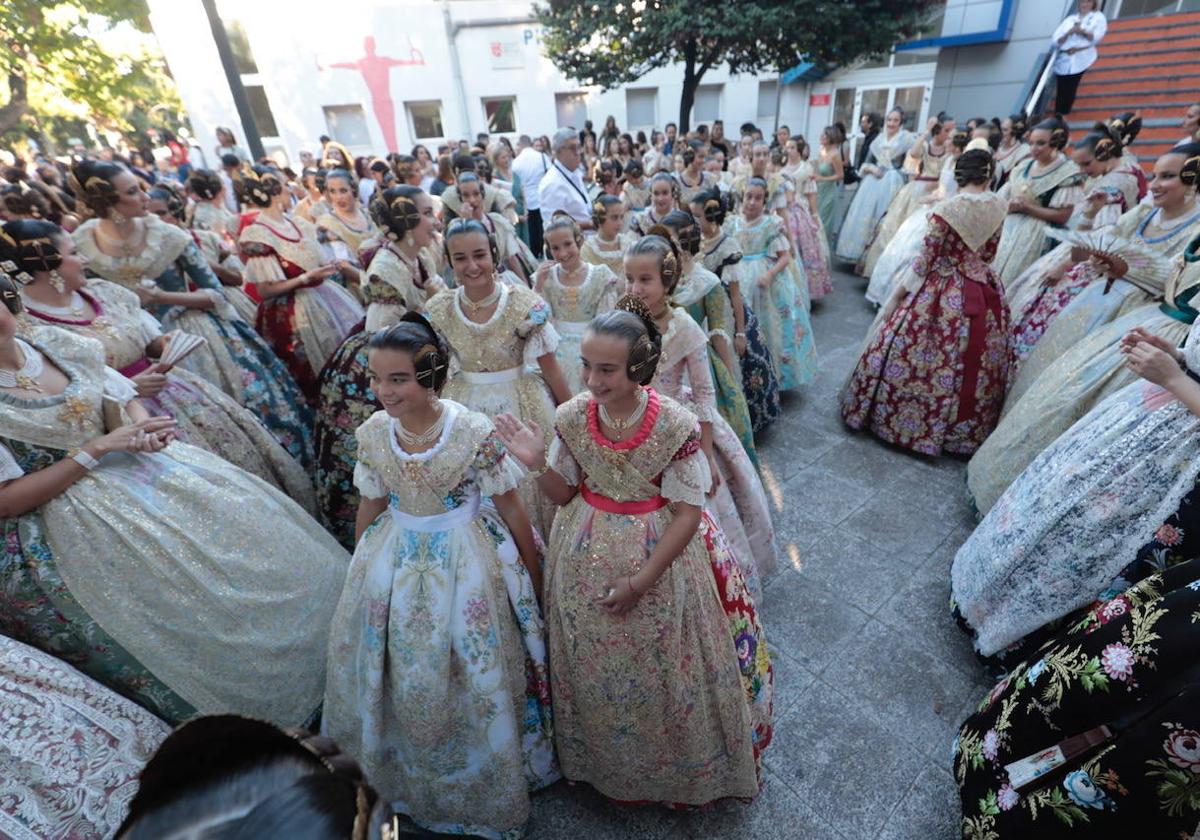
<point x="179" y="345"/>
<point x="1126" y="259"/>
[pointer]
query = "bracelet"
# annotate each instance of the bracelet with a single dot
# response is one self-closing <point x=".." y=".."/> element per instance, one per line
<point x="739" y="335"/>
<point x="85" y="460"/>
<point x="538" y="473"/>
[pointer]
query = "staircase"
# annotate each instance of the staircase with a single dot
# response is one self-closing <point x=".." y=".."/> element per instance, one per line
<point x="1150" y="65"/>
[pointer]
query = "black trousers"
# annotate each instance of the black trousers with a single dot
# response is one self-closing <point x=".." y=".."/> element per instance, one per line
<point x="535" y="232"/>
<point x="1065" y="90"/>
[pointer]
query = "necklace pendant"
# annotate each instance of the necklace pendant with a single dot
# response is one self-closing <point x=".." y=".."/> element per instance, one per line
<point x="28" y="383"/>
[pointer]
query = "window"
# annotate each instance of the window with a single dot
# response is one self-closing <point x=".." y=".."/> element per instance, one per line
<point x="347" y="124"/>
<point x="501" y="113"/>
<point x="425" y="119"/>
<point x="239" y="44"/>
<point x="264" y="120"/>
<point x="768" y="93"/>
<point x="641" y="107"/>
<point x="707" y="106"/>
<point x="911" y="100"/>
<point x="843" y="108"/>
<point x="571" y="109"/>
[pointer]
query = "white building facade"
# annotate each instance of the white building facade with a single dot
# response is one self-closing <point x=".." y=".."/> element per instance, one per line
<point x="382" y="76"/>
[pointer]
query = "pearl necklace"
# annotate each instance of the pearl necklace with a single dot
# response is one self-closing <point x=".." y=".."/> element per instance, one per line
<point x="420" y="440"/>
<point x="75" y="307"/>
<point x="620" y="425"/>
<point x="26" y="376"/>
<point x="473" y="305"/>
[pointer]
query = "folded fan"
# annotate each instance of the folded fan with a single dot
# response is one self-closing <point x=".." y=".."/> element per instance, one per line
<point x="179" y="344"/>
<point x="1131" y="261"/>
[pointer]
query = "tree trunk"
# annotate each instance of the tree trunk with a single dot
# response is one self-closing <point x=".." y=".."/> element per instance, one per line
<point x="18" y="103"/>
<point x="690" y="81"/>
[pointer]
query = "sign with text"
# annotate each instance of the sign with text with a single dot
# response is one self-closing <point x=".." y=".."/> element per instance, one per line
<point x="820" y="99"/>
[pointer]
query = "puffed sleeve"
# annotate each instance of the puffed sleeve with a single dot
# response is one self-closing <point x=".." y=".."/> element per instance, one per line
<point x="611" y="292"/>
<point x="9" y="468"/>
<point x="1068" y="195"/>
<point x="560" y="459"/>
<point x="540" y="336"/>
<point x="118" y="387"/>
<point x="261" y="265"/>
<point x="704" y="393"/>
<point x="720" y="313"/>
<point x="366" y="477"/>
<point x="931" y="248"/>
<point x="687" y="478"/>
<point x="496" y="471"/>
<point x="148" y="326"/>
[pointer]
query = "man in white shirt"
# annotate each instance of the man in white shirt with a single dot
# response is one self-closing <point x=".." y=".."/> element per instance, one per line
<point x="562" y="186"/>
<point x="1076" y="39"/>
<point x="530" y="165"/>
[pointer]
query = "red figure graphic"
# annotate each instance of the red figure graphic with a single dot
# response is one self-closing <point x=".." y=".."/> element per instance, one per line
<point x="375" y="70"/>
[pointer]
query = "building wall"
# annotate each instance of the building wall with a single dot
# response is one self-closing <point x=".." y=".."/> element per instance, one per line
<point x="298" y="60"/>
<point x="987" y="79"/>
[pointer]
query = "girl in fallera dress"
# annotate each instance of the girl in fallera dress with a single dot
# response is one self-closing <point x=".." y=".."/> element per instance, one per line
<point x="514" y="256"/>
<point x="577" y="291"/>
<point x="933" y="375"/>
<point x="208" y="211"/>
<point x="722" y="255"/>
<point x="303" y="317"/>
<point x="635" y="192"/>
<point x="1041" y="191"/>
<point x="503" y="343"/>
<point x="127" y="246"/>
<point x="693" y="179"/>
<point x="881" y="178"/>
<point x="142" y="560"/>
<point x="660" y="673"/>
<point x="664" y="197"/>
<point x="401" y="278"/>
<point x="57" y="294"/>
<point x="312" y="203"/>
<point x="653" y="269"/>
<point x="345" y="227"/>
<point x="608" y="246"/>
<point x="437" y="662"/>
<point x="803" y="218"/>
<point x="767" y="264"/>
<point x="1012" y="149"/>
<point x="700" y="293"/>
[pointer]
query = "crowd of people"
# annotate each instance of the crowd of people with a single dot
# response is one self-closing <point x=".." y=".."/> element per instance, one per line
<point x="451" y="458"/>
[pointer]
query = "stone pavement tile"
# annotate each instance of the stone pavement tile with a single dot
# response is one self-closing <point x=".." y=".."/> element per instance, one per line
<point x="929" y="811"/>
<point x="942" y="557"/>
<point x="915" y="695"/>
<point x="921" y="608"/>
<point x="866" y="459"/>
<point x="826" y="495"/>
<point x="791" y="678"/>
<point x="792" y="446"/>
<point x="807" y="621"/>
<point x="853" y="569"/>
<point x="942" y="494"/>
<point x="577" y="811"/>
<point x="890" y="521"/>
<point x="841" y="761"/>
<point x="777" y="814"/>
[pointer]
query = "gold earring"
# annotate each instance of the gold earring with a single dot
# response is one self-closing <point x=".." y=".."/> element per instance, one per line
<point x="116" y="218"/>
<point x="57" y="282"/>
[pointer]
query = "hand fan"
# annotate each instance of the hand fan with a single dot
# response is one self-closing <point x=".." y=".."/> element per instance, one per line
<point x="179" y="345"/>
<point x="1129" y="260"/>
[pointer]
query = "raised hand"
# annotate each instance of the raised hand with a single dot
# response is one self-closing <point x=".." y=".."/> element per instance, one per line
<point x="525" y="442"/>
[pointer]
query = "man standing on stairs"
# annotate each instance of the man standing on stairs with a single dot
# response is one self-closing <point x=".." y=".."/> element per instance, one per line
<point x="1076" y="39"/>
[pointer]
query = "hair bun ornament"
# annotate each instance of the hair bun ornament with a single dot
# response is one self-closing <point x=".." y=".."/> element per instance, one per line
<point x="1189" y="173"/>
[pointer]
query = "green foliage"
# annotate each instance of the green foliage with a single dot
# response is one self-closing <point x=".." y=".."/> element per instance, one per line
<point x="71" y="63"/>
<point x="612" y="43"/>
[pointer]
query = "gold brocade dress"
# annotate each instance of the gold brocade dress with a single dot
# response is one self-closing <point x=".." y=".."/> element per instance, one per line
<point x="221" y="249"/>
<point x="207" y="417"/>
<point x="656" y="705"/>
<point x="174" y="578"/>
<point x="1024" y="238"/>
<point x="574" y="307"/>
<point x="611" y="254"/>
<point x="906" y="202"/>
<point x="495" y="368"/>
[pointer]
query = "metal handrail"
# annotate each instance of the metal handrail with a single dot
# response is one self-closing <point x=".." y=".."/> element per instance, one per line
<point x="1035" y="99"/>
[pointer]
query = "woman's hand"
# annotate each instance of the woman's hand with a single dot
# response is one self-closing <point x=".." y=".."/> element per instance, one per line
<point x="148" y="295"/>
<point x="1095" y="203"/>
<point x="525" y="442"/>
<point x="149" y="435"/>
<point x="1018" y="205"/>
<point x="621" y="597"/>
<point x="1139" y="335"/>
<point x="543" y="271"/>
<point x="318" y="275"/>
<point x="714" y="472"/>
<point x="739" y="344"/>
<point x="1153" y="365"/>
<point x="150" y="382"/>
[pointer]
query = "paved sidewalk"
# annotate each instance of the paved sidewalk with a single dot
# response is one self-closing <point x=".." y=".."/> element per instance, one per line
<point x="872" y="676"/>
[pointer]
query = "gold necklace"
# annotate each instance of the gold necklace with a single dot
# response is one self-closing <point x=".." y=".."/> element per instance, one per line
<point x="619" y="424"/>
<point x="475" y="306"/>
<point x="24" y="377"/>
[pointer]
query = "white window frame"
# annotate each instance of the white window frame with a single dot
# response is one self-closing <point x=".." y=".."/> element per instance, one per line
<point x="412" y="125"/>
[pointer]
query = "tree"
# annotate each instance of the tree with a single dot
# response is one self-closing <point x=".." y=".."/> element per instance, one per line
<point x="608" y="44"/>
<point x="75" y="61"/>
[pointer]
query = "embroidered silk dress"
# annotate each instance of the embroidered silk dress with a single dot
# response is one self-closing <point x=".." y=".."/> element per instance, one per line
<point x="221" y="250"/>
<point x="689" y="191"/>
<point x="756" y="373"/>
<point x="573" y="308"/>
<point x="636" y="198"/>
<point x="234" y="357"/>
<point x="933" y="375"/>
<point x="1083" y="373"/>
<point x="740" y="504"/>
<point x="1006" y="159"/>
<point x="905" y="203"/>
<point x="1025" y="239"/>
<point x="806" y="230"/>
<point x="495" y="368"/>
<point x="1125" y="660"/>
<point x="213" y="217"/>
<point x="437" y="660"/>
<point x="874" y="194"/>
<point x="70" y="749"/>
<point x="786" y="327"/>
<point x="305" y="325"/>
<point x="700" y="292"/>
<point x="206" y="416"/>
<point x="153" y="573"/>
<point x="344" y="397"/>
<point x="672" y="702"/>
<point x="611" y="254"/>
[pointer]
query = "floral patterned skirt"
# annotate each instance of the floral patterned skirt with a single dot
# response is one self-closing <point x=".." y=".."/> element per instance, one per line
<point x="344" y="402"/>
<point x="759" y="383"/>
<point x="1047" y="302"/>
<point x="1123" y="663"/>
<point x="813" y="250"/>
<point x="785" y="325"/>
